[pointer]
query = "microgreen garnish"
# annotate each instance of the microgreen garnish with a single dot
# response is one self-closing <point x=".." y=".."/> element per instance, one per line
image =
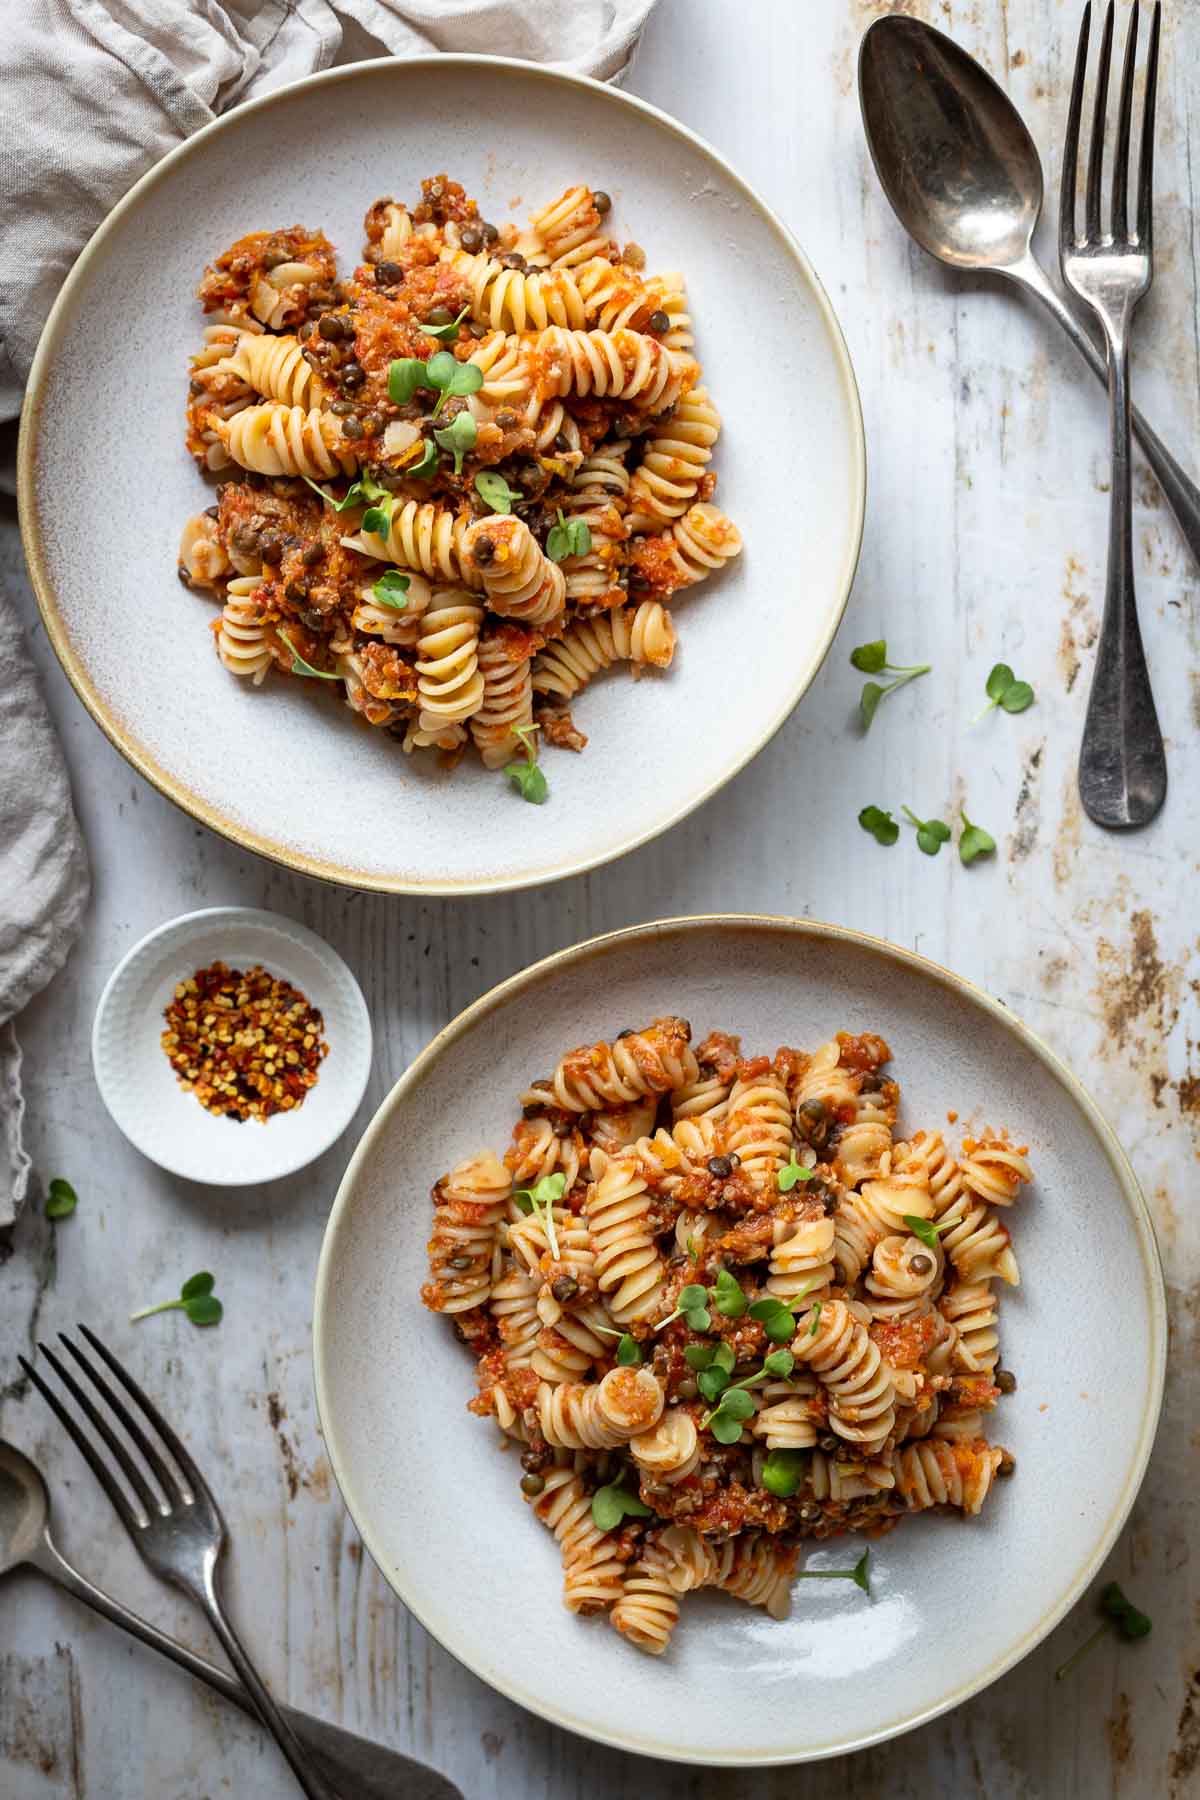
<point x="783" y="1472"/>
<point x="1003" y="689"/>
<point x="859" y="1574"/>
<point x="613" y="1503"/>
<point x="777" y="1320"/>
<point x="926" y="1230"/>
<point x="405" y="376"/>
<point x="692" y="1247"/>
<point x="450" y="377"/>
<point x="791" y="1173"/>
<point x="1130" y="1624"/>
<point x="727" y="1296"/>
<point x="881" y="825"/>
<point x="733" y="1403"/>
<point x="816" y="1318"/>
<point x="725" y="1420"/>
<point x="543" y="1194"/>
<point x="446" y="334"/>
<point x="527" y="777"/>
<point x="392" y="589"/>
<point x="424" y="467"/>
<point x="872" y="659"/>
<point x="570" y="537"/>
<point x="459" y="436"/>
<point x="196" y="1299"/>
<point x="974" y="841"/>
<point x="495" y="492"/>
<point x="378" y="519"/>
<point x="629" y="1351"/>
<point x="931" y="833"/>
<point x="61" y="1199"/>
<point x="691" y="1306"/>
<point x="359" y="493"/>
<point x="300" y="667"/>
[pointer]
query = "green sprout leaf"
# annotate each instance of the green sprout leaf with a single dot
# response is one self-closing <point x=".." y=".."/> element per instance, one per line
<point x="931" y="833"/>
<point x="359" y="493"/>
<point x="779" y="1364"/>
<point x="727" y="1296"/>
<point x="698" y="1356"/>
<point x="925" y="1229"/>
<point x="872" y="659"/>
<point x="816" y="1319"/>
<point x="425" y="465"/>
<point x="527" y="777"/>
<point x="446" y="334"/>
<point x="196" y="1299"/>
<point x="61" y="1199"/>
<point x="974" y="841"/>
<point x="737" y="1403"/>
<point x="712" y="1382"/>
<point x="1116" y="1611"/>
<point x="378" y="519"/>
<point x="613" y="1503"/>
<point x="629" y="1352"/>
<point x="405" y="376"/>
<point x="300" y="667"/>
<point x="725" y="1428"/>
<point x="450" y="377"/>
<point x="783" y="1472"/>
<point x="859" y="1574"/>
<point x="392" y="589"/>
<point x="570" y="537"/>
<point x="540" y="1200"/>
<point x="881" y="825"/>
<point x="792" y="1171"/>
<point x="495" y="492"/>
<point x="1004" y="690"/>
<point x="724" y="1358"/>
<point x="458" y="437"/>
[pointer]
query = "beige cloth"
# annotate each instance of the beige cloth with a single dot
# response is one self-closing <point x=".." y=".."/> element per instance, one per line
<point x="94" y="92"/>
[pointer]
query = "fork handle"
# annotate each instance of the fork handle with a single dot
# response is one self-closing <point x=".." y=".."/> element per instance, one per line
<point x="1182" y="494"/>
<point x="313" y="1784"/>
<point x="1122" y="763"/>
<point x="367" y="1771"/>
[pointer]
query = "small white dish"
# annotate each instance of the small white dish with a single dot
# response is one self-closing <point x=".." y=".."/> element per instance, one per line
<point x="953" y="1602"/>
<point x="140" y="1088"/>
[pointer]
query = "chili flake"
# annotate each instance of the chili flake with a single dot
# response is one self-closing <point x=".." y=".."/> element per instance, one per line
<point x="248" y="1045"/>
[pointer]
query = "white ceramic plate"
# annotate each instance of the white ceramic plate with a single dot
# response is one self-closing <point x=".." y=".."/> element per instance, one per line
<point x="437" y="1502"/>
<point x="139" y="1086"/>
<point x="288" y="772"/>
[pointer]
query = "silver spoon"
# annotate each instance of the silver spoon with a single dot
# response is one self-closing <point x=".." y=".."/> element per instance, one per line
<point x="962" y="174"/>
<point x="355" y="1766"/>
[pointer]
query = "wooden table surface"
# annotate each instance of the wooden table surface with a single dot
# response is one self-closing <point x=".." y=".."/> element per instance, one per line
<point x="985" y="538"/>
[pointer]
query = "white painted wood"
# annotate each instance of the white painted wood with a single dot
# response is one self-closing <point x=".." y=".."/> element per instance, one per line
<point x="985" y="538"/>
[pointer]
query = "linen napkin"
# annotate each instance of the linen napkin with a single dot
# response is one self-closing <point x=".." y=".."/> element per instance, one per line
<point x="95" y="91"/>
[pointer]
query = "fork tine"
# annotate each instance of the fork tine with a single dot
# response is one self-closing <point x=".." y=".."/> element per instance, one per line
<point x="1070" y="156"/>
<point x="1095" y="175"/>
<point x="117" y="1407"/>
<point x="1120" y="194"/>
<point x="83" y="1444"/>
<point x="179" y="1450"/>
<point x="1145" y="212"/>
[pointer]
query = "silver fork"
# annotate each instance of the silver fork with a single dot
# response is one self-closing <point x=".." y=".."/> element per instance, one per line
<point x="178" y="1532"/>
<point x="1122" y="764"/>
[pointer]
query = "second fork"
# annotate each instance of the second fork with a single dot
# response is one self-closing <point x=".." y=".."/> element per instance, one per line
<point x="1122" y="763"/>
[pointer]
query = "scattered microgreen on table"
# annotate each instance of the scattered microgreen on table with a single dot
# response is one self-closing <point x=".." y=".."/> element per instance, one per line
<point x="1119" y="1614"/>
<point x="196" y="1299"/>
<point x="931" y="833"/>
<point x="974" y="841"/>
<point x="872" y="659"/>
<point x="881" y="825"/>
<point x="1005" y="691"/>
<point x="539" y="1200"/>
<point x="300" y="667"/>
<point x="392" y="589"/>
<point x="495" y="492"/>
<point x="570" y="537"/>
<point x="61" y="1199"/>
<point x="527" y="777"/>
<point x="613" y="1503"/>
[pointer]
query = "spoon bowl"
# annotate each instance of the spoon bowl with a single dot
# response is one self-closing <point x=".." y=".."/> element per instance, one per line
<point x="953" y="155"/>
<point x="24" y="1508"/>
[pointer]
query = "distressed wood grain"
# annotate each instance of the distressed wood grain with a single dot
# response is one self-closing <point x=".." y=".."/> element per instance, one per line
<point x="985" y="539"/>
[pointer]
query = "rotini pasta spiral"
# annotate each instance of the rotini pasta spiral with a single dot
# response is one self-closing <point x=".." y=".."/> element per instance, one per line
<point x="653" y="1061"/>
<point x="285" y="440"/>
<point x="201" y="554"/>
<point x="785" y="1419"/>
<point x="511" y="300"/>
<point x="876" y="1211"/>
<point x="420" y="536"/>
<point x="513" y="1305"/>
<point x="617" y="365"/>
<point x="519" y="580"/>
<point x="676" y="454"/>
<point x="760" y="1573"/>
<point x="671" y="1451"/>
<point x="801" y="1258"/>
<point x="647" y="1612"/>
<point x="758" y="1125"/>
<point x="468" y="1205"/>
<point x="640" y="634"/>
<point x="449" y="681"/>
<point x="537" y="1149"/>
<point x="902" y="1277"/>
<point x="629" y="1268"/>
<point x="507" y="704"/>
<point x="862" y="1398"/>
<point x="700" y="543"/>
<point x="243" y="640"/>
<point x="404" y="628"/>
<point x="568" y="231"/>
<point x="592" y="1570"/>
<point x="936" y="1473"/>
<point x="599" y="1415"/>
<point x="275" y="368"/>
<point x="866" y="1139"/>
<point x="977" y="1243"/>
<point x="994" y="1170"/>
<point x="971" y="1309"/>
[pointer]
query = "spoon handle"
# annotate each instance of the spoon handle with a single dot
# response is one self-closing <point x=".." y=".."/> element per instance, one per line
<point x="367" y="1771"/>
<point x="1183" y="496"/>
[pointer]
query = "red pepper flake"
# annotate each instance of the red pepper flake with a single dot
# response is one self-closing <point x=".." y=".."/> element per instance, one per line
<point x="248" y="1045"/>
